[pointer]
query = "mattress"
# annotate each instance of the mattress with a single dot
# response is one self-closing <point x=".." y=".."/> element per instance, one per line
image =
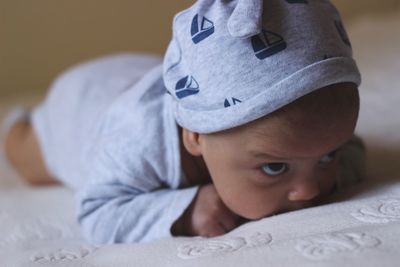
<point x="358" y="227"/>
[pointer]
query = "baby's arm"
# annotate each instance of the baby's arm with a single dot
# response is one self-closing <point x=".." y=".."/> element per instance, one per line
<point x="127" y="201"/>
<point x="352" y="165"/>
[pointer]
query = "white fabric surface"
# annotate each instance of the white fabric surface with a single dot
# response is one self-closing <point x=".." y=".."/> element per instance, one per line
<point x="360" y="228"/>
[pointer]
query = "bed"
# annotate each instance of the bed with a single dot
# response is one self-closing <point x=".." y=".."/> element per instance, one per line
<point x="358" y="227"/>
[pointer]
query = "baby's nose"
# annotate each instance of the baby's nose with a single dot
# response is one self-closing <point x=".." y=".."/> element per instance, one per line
<point x="304" y="191"/>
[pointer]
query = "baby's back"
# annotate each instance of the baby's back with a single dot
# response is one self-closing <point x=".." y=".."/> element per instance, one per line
<point x="66" y="122"/>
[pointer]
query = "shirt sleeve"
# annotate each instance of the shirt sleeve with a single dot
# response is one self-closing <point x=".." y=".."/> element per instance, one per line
<point x="352" y="164"/>
<point x="127" y="200"/>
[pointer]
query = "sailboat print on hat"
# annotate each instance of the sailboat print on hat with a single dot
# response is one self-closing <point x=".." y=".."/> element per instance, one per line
<point x="267" y="44"/>
<point x="201" y="31"/>
<point x="186" y="86"/>
<point x="234" y="101"/>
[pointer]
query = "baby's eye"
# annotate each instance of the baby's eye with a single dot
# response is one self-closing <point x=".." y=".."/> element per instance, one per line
<point x="328" y="158"/>
<point x="274" y="169"/>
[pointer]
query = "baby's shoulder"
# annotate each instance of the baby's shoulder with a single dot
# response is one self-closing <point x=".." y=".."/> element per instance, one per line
<point x="135" y="143"/>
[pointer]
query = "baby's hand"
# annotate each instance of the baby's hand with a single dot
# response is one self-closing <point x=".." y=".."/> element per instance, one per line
<point x="206" y="216"/>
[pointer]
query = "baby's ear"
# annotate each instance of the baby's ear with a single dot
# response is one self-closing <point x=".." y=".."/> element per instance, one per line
<point x="191" y="141"/>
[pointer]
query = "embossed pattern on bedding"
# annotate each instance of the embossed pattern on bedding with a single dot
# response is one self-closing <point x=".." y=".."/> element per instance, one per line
<point x="384" y="211"/>
<point x="63" y="254"/>
<point x="329" y="245"/>
<point x="218" y="246"/>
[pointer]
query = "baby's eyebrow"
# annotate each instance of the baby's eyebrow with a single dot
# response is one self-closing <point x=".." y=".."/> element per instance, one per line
<point x="259" y="154"/>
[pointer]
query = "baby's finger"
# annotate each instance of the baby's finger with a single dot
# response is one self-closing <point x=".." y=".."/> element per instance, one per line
<point x="215" y="230"/>
<point x="228" y="220"/>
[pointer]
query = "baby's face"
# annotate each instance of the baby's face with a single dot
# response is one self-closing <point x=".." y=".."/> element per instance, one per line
<point x="267" y="167"/>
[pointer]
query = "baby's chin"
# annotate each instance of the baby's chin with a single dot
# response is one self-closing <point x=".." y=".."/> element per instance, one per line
<point x="299" y="206"/>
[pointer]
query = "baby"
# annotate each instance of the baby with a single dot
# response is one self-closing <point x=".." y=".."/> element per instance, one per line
<point x="251" y="114"/>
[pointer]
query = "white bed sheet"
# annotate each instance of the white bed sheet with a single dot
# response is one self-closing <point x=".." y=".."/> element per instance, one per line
<point x="361" y="227"/>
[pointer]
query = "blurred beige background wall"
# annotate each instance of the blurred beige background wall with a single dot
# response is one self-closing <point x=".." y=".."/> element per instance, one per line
<point x="40" y="38"/>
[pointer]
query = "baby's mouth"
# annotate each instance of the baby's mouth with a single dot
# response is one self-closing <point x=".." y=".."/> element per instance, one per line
<point x="303" y="204"/>
<point x="298" y="205"/>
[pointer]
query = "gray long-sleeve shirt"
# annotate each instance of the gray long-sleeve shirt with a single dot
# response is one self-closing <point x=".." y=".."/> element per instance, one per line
<point x="136" y="190"/>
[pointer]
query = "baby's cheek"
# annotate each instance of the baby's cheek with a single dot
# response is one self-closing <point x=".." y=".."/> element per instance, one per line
<point x="329" y="180"/>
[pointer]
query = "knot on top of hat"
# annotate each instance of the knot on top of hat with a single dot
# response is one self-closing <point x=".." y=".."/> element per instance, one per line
<point x="246" y="19"/>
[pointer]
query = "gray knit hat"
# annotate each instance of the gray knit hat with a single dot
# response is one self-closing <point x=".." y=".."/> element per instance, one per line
<point x="231" y="62"/>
